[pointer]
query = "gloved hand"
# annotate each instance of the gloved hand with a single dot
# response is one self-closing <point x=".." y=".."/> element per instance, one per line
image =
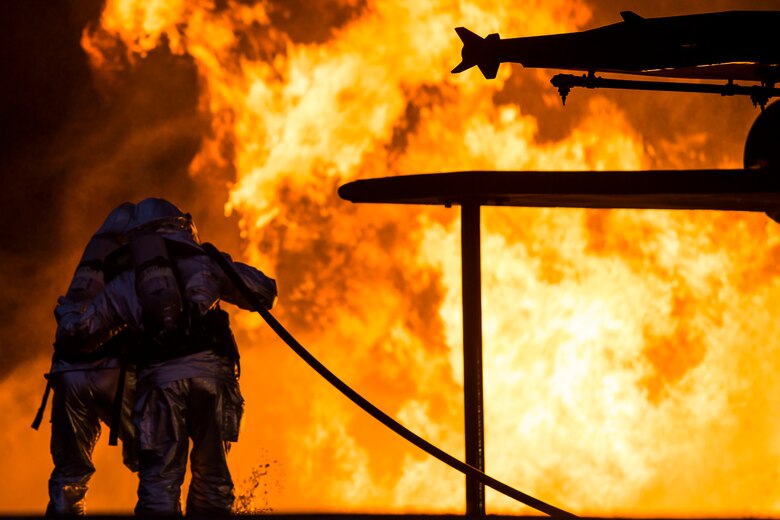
<point x="71" y="336"/>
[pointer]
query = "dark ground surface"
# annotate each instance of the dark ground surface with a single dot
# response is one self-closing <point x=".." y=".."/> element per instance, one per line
<point x="331" y="516"/>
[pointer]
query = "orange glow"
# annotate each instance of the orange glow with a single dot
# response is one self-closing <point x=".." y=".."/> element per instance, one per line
<point x="630" y="357"/>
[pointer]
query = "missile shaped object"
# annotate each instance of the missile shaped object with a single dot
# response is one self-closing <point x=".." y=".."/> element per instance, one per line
<point x="730" y="45"/>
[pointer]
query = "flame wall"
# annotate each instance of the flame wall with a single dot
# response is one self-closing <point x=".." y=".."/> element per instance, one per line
<point x="629" y="355"/>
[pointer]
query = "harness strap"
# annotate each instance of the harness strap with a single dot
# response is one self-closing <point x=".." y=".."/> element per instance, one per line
<point x="116" y="408"/>
<point x="39" y="416"/>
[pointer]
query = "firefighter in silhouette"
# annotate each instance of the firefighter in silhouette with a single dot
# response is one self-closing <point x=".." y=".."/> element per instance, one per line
<point x="85" y="378"/>
<point x="187" y="359"/>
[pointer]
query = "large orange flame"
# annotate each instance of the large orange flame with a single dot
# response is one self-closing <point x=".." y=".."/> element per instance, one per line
<point x="629" y="356"/>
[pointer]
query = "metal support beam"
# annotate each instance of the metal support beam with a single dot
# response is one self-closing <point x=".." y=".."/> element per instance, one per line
<point x="472" y="355"/>
<point x="759" y="94"/>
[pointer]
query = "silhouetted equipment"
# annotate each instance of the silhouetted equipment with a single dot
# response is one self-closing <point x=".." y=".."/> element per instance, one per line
<point x="759" y="94"/>
<point x="738" y="190"/>
<point x="726" y="46"/>
<point x="762" y="152"/>
<point x="762" y="148"/>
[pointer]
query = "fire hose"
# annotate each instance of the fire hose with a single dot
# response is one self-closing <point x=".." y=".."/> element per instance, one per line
<point x="363" y="403"/>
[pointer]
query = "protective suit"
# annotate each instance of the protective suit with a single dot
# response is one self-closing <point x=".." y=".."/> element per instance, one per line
<point x="187" y="360"/>
<point x="85" y="383"/>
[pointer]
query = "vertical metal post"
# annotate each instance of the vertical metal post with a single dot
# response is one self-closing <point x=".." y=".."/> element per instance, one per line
<point x="472" y="355"/>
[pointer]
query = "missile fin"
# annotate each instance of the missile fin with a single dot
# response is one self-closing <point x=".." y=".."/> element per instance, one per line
<point x="630" y="17"/>
<point x="477" y="51"/>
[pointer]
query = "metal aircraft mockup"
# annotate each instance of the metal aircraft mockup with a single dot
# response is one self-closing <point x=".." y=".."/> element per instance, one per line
<point x="727" y="46"/>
